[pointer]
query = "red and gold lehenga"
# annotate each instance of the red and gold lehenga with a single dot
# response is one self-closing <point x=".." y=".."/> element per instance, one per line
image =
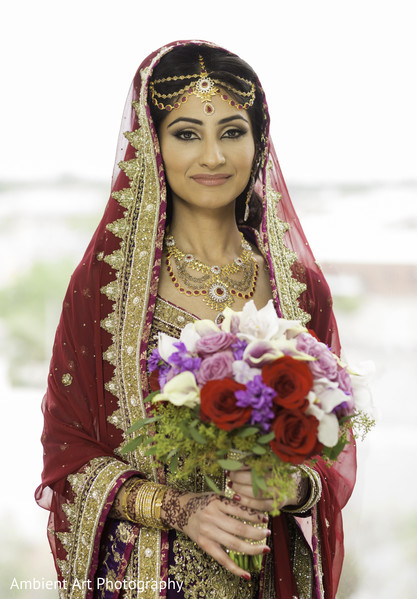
<point x="98" y="385"/>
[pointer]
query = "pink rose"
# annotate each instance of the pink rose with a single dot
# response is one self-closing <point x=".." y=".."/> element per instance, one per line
<point x="215" y="366"/>
<point x="214" y="342"/>
<point x="325" y="363"/>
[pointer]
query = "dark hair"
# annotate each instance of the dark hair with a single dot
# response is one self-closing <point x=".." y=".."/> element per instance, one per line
<point x="230" y="70"/>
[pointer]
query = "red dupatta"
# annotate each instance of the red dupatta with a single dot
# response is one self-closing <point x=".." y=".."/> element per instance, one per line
<point x="98" y="383"/>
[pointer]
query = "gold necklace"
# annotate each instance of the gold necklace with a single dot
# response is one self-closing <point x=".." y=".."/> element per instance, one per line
<point x="217" y="285"/>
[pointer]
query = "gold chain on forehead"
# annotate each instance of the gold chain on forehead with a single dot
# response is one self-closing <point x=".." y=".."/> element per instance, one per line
<point x="204" y="88"/>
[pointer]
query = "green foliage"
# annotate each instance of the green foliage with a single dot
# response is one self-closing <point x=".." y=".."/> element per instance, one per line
<point x="176" y="431"/>
<point x="362" y="423"/>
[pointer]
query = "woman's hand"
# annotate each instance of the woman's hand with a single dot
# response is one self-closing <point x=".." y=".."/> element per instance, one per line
<point x="208" y="520"/>
<point x="241" y="484"/>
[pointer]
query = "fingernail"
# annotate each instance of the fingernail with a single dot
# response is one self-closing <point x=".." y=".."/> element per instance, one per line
<point x="230" y="484"/>
<point x="266" y="550"/>
<point x="246" y="576"/>
<point x="237" y="497"/>
<point x="265" y="519"/>
<point x="227" y="472"/>
<point x="268" y="533"/>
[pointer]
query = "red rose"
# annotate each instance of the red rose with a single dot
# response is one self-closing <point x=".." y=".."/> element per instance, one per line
<point x="295" y="436"/>
<point x="291" y="379"/>
<point x="218" y="404"/>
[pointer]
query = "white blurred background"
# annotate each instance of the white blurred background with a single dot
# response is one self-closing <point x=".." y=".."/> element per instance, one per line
<point x="340" y="82"/>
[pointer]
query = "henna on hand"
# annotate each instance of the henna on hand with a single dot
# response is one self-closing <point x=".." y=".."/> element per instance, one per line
<point x="176" y="515"/>
<point x="251" y="511"/>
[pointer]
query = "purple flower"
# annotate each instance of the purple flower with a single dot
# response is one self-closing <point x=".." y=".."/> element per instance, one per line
<point x="165" y="374"/>
<point x="214" y="342"/>
<point x="155" y="362"/>
<point x="215" y="366"/>
<point x="182" y="361"/>
<point x="325" y="363"/>
<point x="238" y="348"/>
<point x="344" y="381"/>
<point x="154" y="358"/>
<point x="341" y="410"/>
<point x="259" y="397"/>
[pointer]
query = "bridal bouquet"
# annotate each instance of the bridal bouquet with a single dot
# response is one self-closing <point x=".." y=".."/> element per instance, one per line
<point x="256" y="386"/>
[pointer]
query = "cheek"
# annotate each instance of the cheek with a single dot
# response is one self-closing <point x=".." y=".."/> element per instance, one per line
<point x="245" y="159"/>
<point x="176" y="160"/>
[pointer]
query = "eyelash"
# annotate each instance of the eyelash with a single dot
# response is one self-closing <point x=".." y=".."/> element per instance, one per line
<point x="237" y="132"/>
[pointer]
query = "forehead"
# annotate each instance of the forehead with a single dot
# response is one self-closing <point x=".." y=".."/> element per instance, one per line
<point x="194" y="109"/>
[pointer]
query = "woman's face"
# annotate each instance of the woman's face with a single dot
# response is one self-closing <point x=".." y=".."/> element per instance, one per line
<point x="208" y="158"/>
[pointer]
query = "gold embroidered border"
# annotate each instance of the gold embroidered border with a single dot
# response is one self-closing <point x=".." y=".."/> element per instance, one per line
<point x="134" y="261"/>
<point x="289" y="289"/>
<point x="144" y="565"/>
<point x="91" y="488"/>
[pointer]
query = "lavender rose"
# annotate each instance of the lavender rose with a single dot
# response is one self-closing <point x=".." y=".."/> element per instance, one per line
<point x="345" y="383"/>
<point x="214" y="342"/>
<point x="325" y="363"/>
<point x="215" y="366"/>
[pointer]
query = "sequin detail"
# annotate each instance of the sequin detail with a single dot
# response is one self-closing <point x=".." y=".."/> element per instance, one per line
<point x="66" y="379"/>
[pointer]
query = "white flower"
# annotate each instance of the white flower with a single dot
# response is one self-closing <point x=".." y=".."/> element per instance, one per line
<point x="328" y="431"/>
<point x="260" y="352"/>
<point x="258" y="324"/>
<point x="360" y="377"/>
<point x="166" y="346"/>
<point x="189" y="337"/>
<point x="181" y="390"/>
<point x="243" y="373"/>
<point x="230" y="321"/>
<point x="205" y="327"/>
<point x="329" y="399"/>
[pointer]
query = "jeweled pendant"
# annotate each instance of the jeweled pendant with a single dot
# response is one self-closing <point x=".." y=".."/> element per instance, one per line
<point x="219" y="293"/>
<point x="208" y="108"/>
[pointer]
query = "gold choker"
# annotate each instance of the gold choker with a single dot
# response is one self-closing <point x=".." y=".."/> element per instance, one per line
<point x="216" y="285"/>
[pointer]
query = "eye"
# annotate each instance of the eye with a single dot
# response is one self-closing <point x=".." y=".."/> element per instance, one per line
<point x="186" y="134"/>
<point x="234" y="133"/>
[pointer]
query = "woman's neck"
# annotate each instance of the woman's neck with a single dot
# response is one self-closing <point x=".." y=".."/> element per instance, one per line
<point x="212" y="237"/>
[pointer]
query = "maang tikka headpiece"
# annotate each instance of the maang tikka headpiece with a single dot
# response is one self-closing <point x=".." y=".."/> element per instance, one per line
<point x="204" y="88"/>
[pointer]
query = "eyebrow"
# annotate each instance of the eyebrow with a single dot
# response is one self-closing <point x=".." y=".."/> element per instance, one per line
<point x="198" y="122"/>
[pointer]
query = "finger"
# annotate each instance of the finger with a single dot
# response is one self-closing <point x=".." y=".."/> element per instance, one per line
<point x="241" y="476"/>
<point x="239" y="510"/>
<point x="218" y="553"/>
<point x="246" y="490"/>
<point x="241" y="545"/>
<point x="236" y="526"/>
<point x="258" y="505"/>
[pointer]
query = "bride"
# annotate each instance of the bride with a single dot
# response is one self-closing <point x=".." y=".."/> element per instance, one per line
<point x="199" y="219"/>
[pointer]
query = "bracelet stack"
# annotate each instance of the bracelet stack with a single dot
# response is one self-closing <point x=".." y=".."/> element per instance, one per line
<point x="148" y="504"/>
<point x="141" y="502"/>
<point x="127" y="502"/>
<point x="314" y="495"/>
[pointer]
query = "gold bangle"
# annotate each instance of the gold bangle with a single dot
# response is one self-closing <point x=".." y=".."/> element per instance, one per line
<point x="314" y="495"/>
<point x="130" y="490"/>
<point x="148" y="505"/>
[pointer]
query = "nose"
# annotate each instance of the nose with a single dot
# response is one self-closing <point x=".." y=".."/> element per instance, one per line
<point x="211" y="154"/>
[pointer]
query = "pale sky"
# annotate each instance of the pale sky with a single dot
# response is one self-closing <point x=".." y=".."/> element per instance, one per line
<point x="339" y="78"/>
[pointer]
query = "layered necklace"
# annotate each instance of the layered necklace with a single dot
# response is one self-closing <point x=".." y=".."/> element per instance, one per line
<point x="218" y="286"/>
